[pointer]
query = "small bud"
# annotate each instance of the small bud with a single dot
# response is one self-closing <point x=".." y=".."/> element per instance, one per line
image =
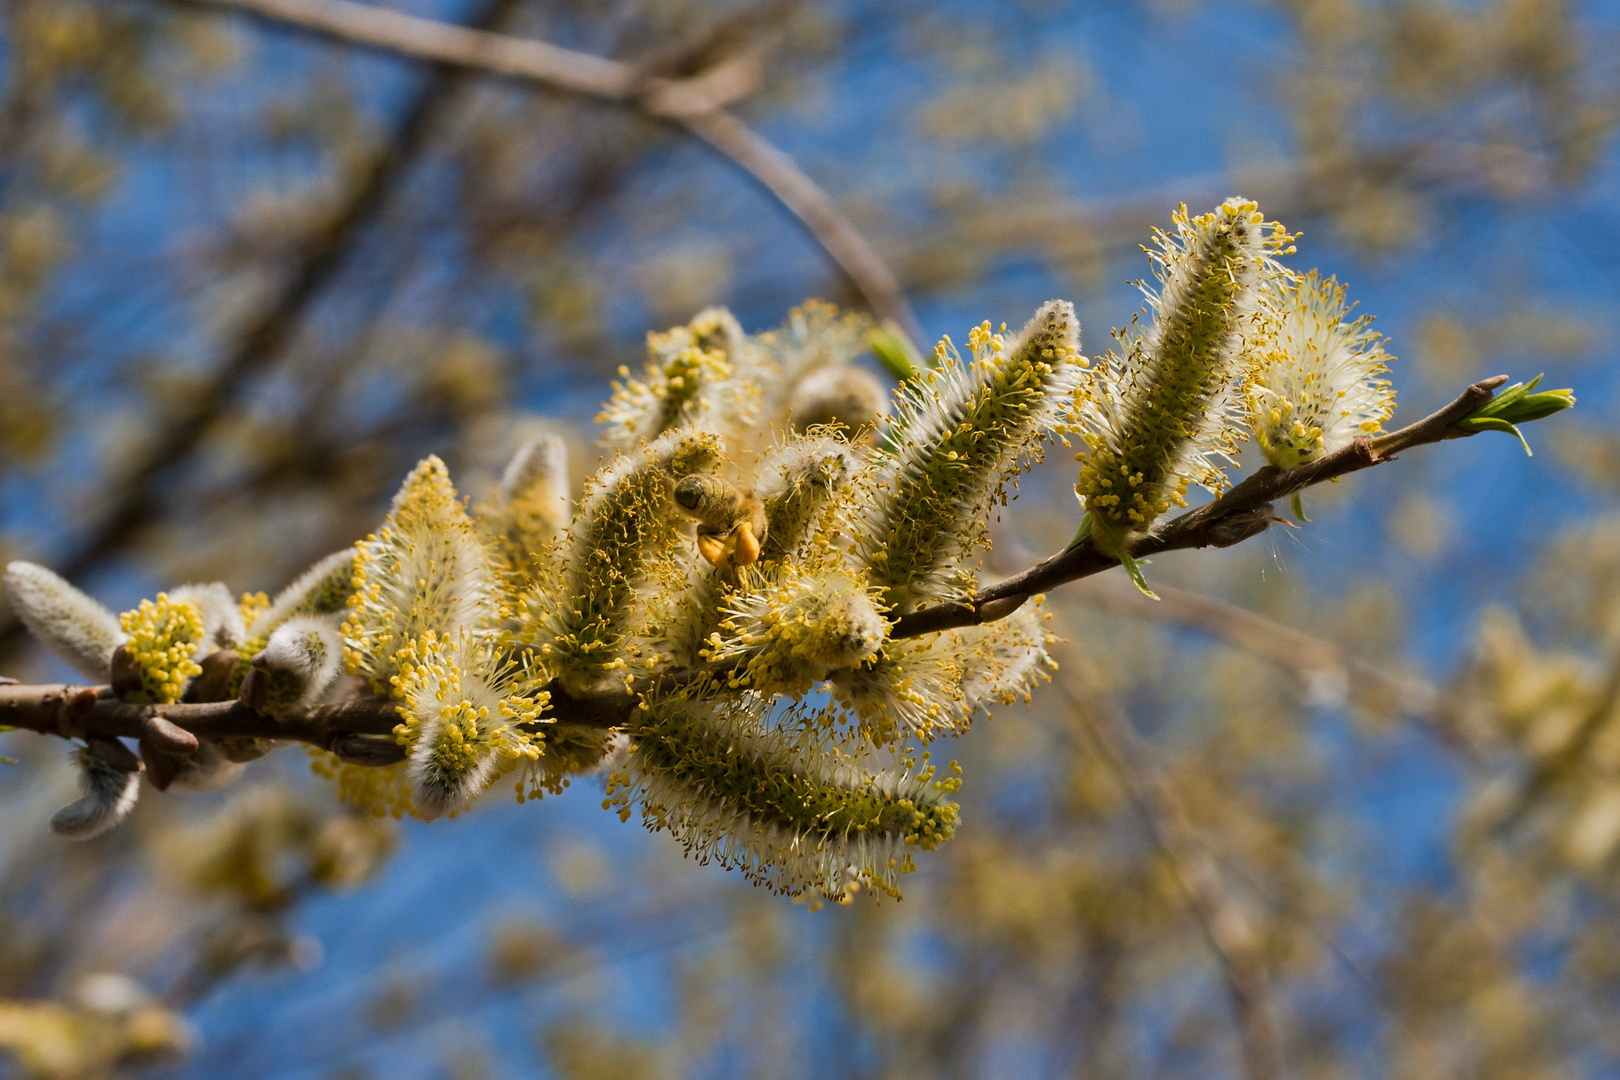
<point x="218" y="672"/>
<point x="209" y="769"/>
<point x="126" y="674"/>
<point x="1236" y="528"/>
<point x="843" y="396"/>
<point x="244" y="749"/>
<point x="205" y="769"/>
<point x="369" y="750"/>
<point x="323" y="589"/>
<point x="1516" y="405"/>
<point x="161" y="768"/>
<point x="113" y="752"/>
<point x="168" y="737"/>
<point x="223" y="625"/>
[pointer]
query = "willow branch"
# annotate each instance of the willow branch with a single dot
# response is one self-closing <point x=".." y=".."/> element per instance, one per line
<point x="1241" y="513"/>
<point x="696" y="104"/>
<point x="360" y="730"/>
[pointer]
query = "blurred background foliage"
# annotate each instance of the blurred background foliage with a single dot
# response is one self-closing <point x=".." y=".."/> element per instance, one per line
<point x="1350" y="794"/>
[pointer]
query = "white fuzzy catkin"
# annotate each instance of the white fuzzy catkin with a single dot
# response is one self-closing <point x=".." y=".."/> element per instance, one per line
<point x="1316" y="385"/>
<point x="71" y="624"/>
<point x="426" y="569"/>
<point x="540" y="467"/>
<point x="707" y="373"/>
<point x="223" y="625"/>
<point x="207" y="769"/>
<point x="912" y="689"/>
<point x="797" y="808"/>
<point x="797" y="484"/>
<point x="1163" y="412"/>
<point x="625" y="523"/>
<point x="459" y="722"/>
<point x="964" y="432"/>
<point x="843" y="394"/>
<point x="531" y="509"/>
<point x="107" y="797"/>
<point x="785" y="638"/>
<point x="323" y="589"/>
<point x="302" y="658"/>
<point x="1002" y="660"/>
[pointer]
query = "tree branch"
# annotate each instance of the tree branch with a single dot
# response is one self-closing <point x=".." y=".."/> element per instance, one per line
<point x="75" y="712"/>
<point x="1310" y="656"/>
<point x="346" y="728"/>
<point x="1241" y="513"/>
<point x="697" y="104"/>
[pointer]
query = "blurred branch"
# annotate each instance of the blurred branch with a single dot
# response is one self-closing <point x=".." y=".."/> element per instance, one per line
<point x="696" y="104"/>
<point x="1556" y="767"/>
<point x="1228" y="930"/>
<point x="131" y="496"/>
<point x="1313" y="658"/>
<point x="1069" y="231"/>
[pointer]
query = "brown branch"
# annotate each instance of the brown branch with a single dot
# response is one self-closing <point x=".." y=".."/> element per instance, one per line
<point x="1072" y="231"/>
<point x="697" y="104"/>
<point x="1241" y="513"/>
<point x="359" y="730"/>
<point x="68" y="712"/>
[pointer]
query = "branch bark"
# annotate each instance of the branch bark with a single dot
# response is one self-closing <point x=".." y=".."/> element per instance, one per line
<point x="71" y="712"/>
<point x="696" y="104"/>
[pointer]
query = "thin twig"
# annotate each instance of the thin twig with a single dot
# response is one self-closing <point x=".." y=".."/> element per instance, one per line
<point x="1312" y="657"/>
<point x="1229" y="933"/>
<point x="1241" y="513"/>
<point x="696" y="104"/>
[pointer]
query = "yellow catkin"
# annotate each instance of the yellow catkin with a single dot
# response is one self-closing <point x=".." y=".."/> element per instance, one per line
<point x="163" y="636"/>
